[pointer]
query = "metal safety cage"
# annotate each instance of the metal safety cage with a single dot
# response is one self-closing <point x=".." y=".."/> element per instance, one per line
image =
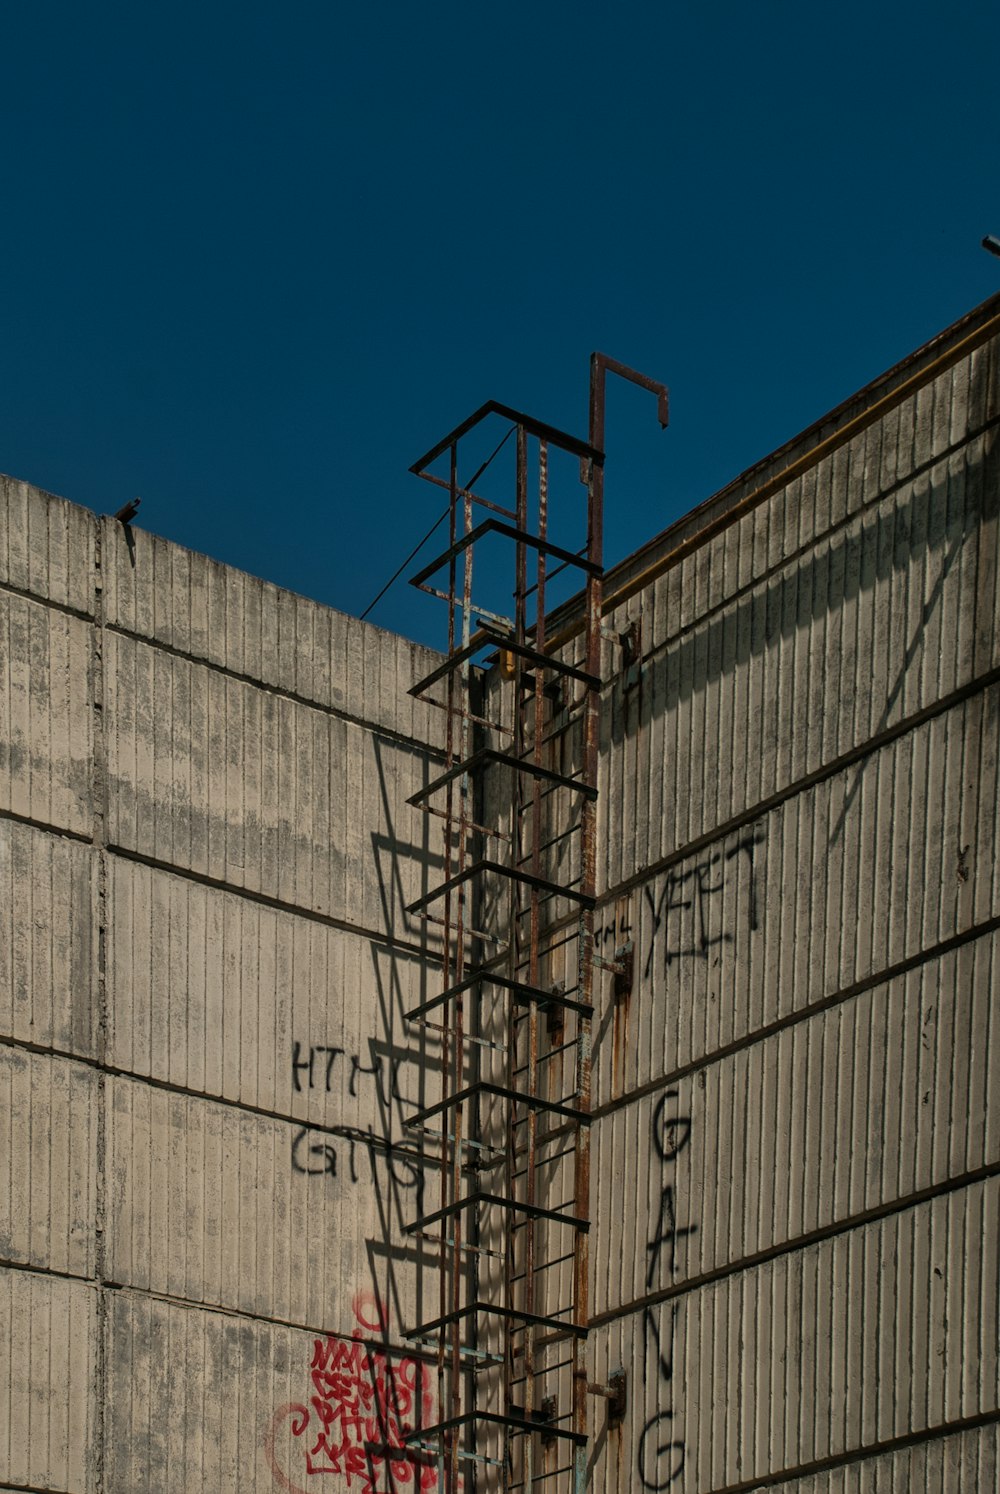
<point x="515" y="909"/>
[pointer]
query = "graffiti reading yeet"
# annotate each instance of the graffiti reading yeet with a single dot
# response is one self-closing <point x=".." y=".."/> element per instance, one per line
<point x="660" y="1454"/>
<point x="686" y="915"/>
<point x="365" y="1399"/>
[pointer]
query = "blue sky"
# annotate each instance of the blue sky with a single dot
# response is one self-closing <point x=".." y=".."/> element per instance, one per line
<point x="256" y="259"/>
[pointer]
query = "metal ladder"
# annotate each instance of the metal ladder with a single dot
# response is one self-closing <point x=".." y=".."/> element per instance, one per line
<point x="514" y="913"/>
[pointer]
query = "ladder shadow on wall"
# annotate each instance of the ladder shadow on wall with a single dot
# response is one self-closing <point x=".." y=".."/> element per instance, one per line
<point x="404" y="1055"/>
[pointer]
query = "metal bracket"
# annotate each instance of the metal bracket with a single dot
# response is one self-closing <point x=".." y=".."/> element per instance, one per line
<point x="625" y="972"/>
<point x="616" y="1395"/>
<point x="614" y="966"/>
<point x="546" y="1416"/>
<point x="621" y="967"/>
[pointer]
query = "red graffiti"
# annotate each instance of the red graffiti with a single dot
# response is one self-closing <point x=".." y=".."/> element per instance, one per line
<point x="363" y="1404"/>
<point x="369" y="1311"/>
<point x="300" y="1420"/>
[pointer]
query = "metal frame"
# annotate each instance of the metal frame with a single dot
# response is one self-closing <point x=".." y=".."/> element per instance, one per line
<point x="527" y="889"/>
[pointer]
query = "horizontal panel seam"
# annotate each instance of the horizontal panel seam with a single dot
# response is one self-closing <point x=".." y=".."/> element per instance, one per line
<point x="66" y="609"/>
<point x="217" y="1309"/>
<point x="379" y="1143"/>
<point x="267" y="900"/>
<point x="818" y="539"/>
<point x="388" y="733"/>
<point x="218" y="884"/>
<point x="59" y="831"/>
<point x="801" y="1014"/>
<point x="905" y="1440"/>
<point x="853" y="755"/>
<point x="819" y="1236"/>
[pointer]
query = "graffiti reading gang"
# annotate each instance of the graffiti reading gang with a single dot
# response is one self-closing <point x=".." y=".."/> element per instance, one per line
<point x="660" y="1454"/>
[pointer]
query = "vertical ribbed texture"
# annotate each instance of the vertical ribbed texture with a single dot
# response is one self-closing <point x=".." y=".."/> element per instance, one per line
<point x="211" y="992"/>
<point x="46" y="546"/>
<point x="47" y="1162"/>
<point x="46" y="1345"/>
<point x="894" y="854"/>
<point x="225" y="618"/>
<point x="45" y="714"/>
<point x="226" y="1422"/>
<point x="253" y="1163"/>
<point x="250" y="788"/>
<point x="800" y="1102"/>
<point x="45" y="939"/>
<point x="796" y="1198"/>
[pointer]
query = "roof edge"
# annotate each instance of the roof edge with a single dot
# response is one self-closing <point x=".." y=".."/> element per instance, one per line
<point x="759" y="481"/>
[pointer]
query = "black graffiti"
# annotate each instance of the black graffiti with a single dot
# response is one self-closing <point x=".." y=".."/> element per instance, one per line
<point x="667" y="1235"/>
<point x="313" y="1067"/>
<point x="746" y="846"/>
<point x="683" y="910"/>
<point x="661" y="1461"/>
<point x="314" y="1154"/>
<point x="613" y="934"/>
<point x="654" y="1342"/>
<point x="661" y="1455"/>
<point x="692" y="934"/>
<point x="357" y="1068"/>
<point x="671" y="1133"/>
<point x="302" y="1152"/>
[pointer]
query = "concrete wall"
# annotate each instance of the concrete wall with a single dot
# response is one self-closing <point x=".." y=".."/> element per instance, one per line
<point x="204" y="857"/>
<point x="796" y="1157"/>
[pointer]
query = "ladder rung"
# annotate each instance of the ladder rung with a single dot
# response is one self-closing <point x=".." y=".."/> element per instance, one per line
<point x="495" y="1309"/>
<point x="514" y="1096"/>
<point x="524" y="994"/>
<point x="465" y="1352"/>
<point x="541" y="1478"/>
<point x="542" y="1370"/>
<point x="496" y="1418"/>
<point x="488" y="755"/>
<point x="486" y="867"/>
<point x="474" y="1200"/>
<point x="470" y="1457"/>
<point x="497" y="1255"/>
<point x="545" y="1266"/>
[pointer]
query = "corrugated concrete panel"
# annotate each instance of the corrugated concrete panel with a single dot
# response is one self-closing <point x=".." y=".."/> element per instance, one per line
<point x="949" y="413"/>
<point x="46" y="545"/>
<point x="885" y="1330"/>
<point x="858" y="1107"/>
<point x="211" y="992"/>
<point x="195" y="605"/>
<point x="47" y="1354"/>
<point x="216" y="1205"/>
<point x="46" y="961"/>
<point x="259" y="1406"/>
<point x="964" y="1463"/>
<point x="812" y="1016"/>
<point x="946" y="408"/>
<point x="871" y="624"/>
<point x="795" y="1102"/>
<point x="45" y="714"/>
<point x="244" y="786"/>
<point x="866" y="869"/>
<point x="48" y="1162"/>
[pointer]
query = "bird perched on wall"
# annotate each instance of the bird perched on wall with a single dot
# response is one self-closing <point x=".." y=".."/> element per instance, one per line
<point x="128" y="510"/>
